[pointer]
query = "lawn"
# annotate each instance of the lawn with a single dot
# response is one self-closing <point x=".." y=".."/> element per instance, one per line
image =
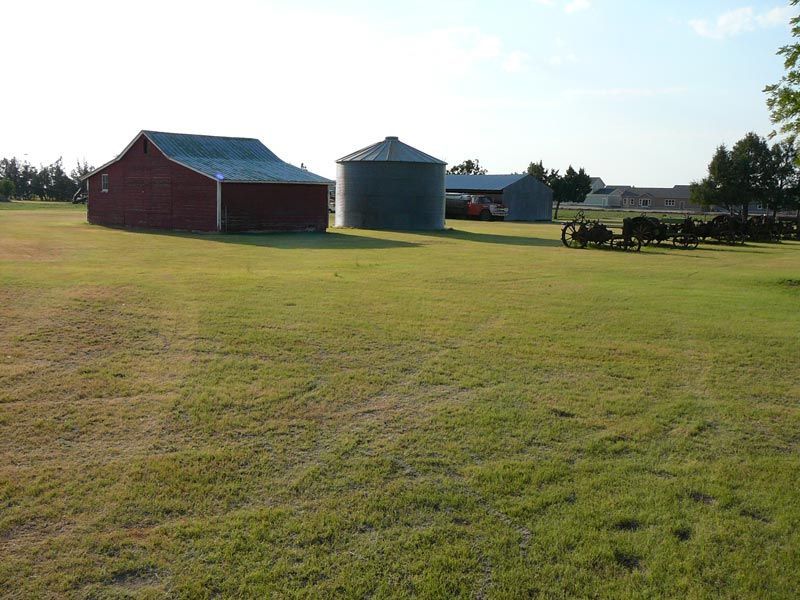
<point x="28" y="205"/>
<point x="479" y="413"/>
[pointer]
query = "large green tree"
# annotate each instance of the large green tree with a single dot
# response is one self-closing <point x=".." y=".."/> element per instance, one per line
<point x="468" y="167"/>
<point x="750" y="172"/>
<point x="538" y="171"/>
<point x="784" y="178"/>
<point x="573" y="186"/>
<point x="48" y="182"/>
<point x="81" y="169"/>
<point x="784" y="97"/>
<point x="6" y="190"/>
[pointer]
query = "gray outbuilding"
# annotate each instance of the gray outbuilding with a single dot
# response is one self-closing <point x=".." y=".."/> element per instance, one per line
<point x="390" y="185"/>
<point x="527" y="198"/>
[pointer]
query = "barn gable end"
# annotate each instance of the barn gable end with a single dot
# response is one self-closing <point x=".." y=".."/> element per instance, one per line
<point x="148" y="190"/>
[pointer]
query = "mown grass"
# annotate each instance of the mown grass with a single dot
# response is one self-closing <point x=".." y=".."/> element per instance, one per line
<point x="476" y="413"/>
<point x="40" y="205"/>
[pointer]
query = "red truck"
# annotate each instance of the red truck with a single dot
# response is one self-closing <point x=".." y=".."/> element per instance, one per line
<point x="466" y="206"/>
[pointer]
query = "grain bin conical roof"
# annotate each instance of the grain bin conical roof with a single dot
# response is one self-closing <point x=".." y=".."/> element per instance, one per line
<point x="391" y="150"/>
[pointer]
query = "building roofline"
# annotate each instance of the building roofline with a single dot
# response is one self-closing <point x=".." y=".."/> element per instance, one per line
<point x="146" y="133"/>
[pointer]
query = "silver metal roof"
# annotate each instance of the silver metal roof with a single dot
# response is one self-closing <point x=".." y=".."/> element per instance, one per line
<point x="230" y="159"/>
<point x="244" y="160"/>
<point x="484" y="183"/>
<point x="391" y="150"/>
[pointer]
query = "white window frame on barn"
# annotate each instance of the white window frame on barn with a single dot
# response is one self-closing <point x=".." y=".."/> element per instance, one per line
<point x="644" y="203"/>
<point x="669" y="203"/>
<point x="104" y="183"/>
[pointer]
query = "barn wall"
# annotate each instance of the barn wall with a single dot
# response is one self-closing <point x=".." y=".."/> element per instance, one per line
<point x="274" y="207"/>
<point x="528" y="200"/>
<point x="151" y="191"/>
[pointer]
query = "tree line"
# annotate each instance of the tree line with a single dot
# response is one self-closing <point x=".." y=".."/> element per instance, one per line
<point x="752" y="171"/>
<point x="572" y="186"/>
<point x="23" y="181"/>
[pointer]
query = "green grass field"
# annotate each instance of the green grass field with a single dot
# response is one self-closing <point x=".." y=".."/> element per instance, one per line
<point x="479" y="413"/>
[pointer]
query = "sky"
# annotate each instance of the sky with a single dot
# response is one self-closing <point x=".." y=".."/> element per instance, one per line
<point x="638" y="92"/>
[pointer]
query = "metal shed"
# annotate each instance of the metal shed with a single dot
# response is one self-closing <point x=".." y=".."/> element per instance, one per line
<point x="390" y="185"/>
<point x="205" y="183"/>
<point x="527" y="198"/>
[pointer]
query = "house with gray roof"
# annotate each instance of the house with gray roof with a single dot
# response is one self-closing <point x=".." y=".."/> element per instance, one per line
<point x="676" y="198"/>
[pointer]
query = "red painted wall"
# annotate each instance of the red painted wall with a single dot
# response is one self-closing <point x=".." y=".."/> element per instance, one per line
<point x="149" y="190"/>
<point x="274" y="207"/>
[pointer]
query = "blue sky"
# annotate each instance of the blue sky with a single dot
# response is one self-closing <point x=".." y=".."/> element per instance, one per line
<point x="638" y="92"/>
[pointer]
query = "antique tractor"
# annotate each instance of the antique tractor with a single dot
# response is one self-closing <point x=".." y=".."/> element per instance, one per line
<point x="581" y="232"/>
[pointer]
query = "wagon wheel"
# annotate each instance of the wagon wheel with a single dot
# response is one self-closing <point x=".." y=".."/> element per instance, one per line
<point x="635" y="244"/>
<point x="571" y="236"/>
<point x="643" y="232"/>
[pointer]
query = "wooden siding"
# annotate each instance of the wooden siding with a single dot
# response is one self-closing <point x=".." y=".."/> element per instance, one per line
<point x="147" y="190"/>
<point x="274" y="207"/>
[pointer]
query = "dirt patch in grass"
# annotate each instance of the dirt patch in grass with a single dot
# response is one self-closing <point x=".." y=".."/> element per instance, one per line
<point x="14" y="250"/>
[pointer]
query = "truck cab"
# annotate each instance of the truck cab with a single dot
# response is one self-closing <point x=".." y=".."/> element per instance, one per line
<point x="466" y="206"/>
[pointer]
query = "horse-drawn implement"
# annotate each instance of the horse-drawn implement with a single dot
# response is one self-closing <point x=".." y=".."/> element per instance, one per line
<point x="636" y="232"/>
<point x="685" y="234"/>
<point x="581" y="232"/>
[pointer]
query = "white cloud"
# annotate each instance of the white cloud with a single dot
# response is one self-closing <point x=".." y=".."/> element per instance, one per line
<point x="776" y="17"/>
<point x="741" y="20"/>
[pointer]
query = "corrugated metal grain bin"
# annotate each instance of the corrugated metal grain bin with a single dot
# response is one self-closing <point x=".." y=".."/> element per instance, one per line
<point x="390" y="185"/>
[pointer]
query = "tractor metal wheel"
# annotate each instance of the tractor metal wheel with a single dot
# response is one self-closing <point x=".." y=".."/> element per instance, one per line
<point x="571" y="237"/>
<point x="642" y="231"/>
<point x="486" y="215"/>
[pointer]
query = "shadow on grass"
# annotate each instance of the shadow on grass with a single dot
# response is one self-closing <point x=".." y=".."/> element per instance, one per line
<point x="700" y="250"/>
<point x="290" y="241"/>
<point x="488" y="238"/>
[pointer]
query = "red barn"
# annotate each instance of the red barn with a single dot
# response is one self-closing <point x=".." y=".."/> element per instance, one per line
<point x="205" y="183"/>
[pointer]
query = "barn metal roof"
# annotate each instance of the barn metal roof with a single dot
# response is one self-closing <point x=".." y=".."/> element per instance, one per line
<point x="230" y="159"/>
<point x="483" y="183"/>
<point x="391" y="150"/>
<point x="243" y="160"/>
